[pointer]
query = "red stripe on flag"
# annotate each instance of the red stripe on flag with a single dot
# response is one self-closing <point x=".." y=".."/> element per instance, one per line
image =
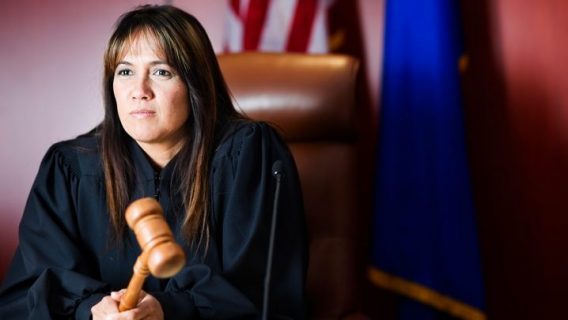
<point x="235" y="5"/>
<point x="254" y="23"/>
<point x="302" y="26"/>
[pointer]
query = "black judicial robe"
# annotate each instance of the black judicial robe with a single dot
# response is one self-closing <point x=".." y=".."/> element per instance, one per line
<point x="65" y="263"/>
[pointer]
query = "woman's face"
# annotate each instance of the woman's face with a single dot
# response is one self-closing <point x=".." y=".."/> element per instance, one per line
<point x="151" y="97"/>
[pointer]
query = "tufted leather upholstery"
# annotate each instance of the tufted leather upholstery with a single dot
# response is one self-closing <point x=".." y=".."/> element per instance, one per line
<point x="311" y="99"/>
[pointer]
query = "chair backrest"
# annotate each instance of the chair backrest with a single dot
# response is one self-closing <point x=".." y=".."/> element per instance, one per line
<point x="311" y="99"/>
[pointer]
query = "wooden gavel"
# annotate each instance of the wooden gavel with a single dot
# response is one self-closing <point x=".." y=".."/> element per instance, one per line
<point x="161" y="255"/>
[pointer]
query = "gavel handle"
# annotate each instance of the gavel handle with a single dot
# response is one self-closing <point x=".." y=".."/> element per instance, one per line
<point x="130" y="298"/>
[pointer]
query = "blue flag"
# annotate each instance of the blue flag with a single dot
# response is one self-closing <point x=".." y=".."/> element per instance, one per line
<point x="425" y="240"/>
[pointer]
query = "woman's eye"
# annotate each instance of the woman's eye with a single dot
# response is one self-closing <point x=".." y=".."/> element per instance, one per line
<point x="124" y="72"/>
<point x="162" y="73"/>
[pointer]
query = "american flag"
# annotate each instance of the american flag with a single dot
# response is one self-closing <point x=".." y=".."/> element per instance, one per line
<point x="277" y="26"/>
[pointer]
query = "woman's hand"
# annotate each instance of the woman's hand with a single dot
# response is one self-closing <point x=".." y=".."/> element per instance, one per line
<point x="148" y="308"/>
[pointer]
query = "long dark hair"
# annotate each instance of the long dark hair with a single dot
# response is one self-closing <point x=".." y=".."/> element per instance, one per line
<point x="187" y="49"/>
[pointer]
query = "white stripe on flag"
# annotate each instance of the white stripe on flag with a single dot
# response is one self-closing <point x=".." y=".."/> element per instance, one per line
<point x="277" y="25"/>
<point x="319" y="39"/>
<point x="234" y="32"/>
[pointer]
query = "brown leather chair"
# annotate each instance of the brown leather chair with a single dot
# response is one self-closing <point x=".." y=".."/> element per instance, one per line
<point x="311" y="99"/>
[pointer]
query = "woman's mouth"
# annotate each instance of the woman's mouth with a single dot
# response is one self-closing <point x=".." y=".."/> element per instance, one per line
<point x="142" y="113"/>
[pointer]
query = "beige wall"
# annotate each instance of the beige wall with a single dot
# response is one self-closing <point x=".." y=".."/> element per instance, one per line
<point x="50" y="74"/>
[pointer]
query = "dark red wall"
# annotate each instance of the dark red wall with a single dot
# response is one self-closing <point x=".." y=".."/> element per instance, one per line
<point x="516" y="92"/>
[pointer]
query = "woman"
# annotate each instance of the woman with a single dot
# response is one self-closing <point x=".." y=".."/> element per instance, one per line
<point x="170" y="131"/>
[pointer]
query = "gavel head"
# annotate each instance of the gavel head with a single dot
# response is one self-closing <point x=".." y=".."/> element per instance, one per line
<point x="163" y="256"/>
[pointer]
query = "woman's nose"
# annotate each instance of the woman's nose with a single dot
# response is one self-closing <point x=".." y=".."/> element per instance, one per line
<point x="142" y="89"/>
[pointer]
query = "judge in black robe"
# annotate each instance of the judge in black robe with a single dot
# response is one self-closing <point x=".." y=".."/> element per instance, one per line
<point x="160" y="65"/>
<point x="65" y="263"/>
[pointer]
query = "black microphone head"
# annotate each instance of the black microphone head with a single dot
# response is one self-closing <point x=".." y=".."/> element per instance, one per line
<point x="277" y="168"/>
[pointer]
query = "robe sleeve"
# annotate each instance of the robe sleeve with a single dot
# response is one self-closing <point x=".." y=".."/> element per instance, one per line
<point x="51" y="276"/>
<point x="242" y="202"/>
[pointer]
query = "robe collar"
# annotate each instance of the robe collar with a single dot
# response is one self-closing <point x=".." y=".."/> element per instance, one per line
<point x="143" y="165"/>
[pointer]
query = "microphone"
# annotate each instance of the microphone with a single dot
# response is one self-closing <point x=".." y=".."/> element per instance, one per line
<point x="277" y="173"/>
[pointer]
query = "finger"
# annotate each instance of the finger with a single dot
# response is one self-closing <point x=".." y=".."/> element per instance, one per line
<point x="151" y="308"/>
<point x="135" y="314"/>
<point x="116" y="296"/>
<point x="104" y="308"/>
<point x="109" y="305"/>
